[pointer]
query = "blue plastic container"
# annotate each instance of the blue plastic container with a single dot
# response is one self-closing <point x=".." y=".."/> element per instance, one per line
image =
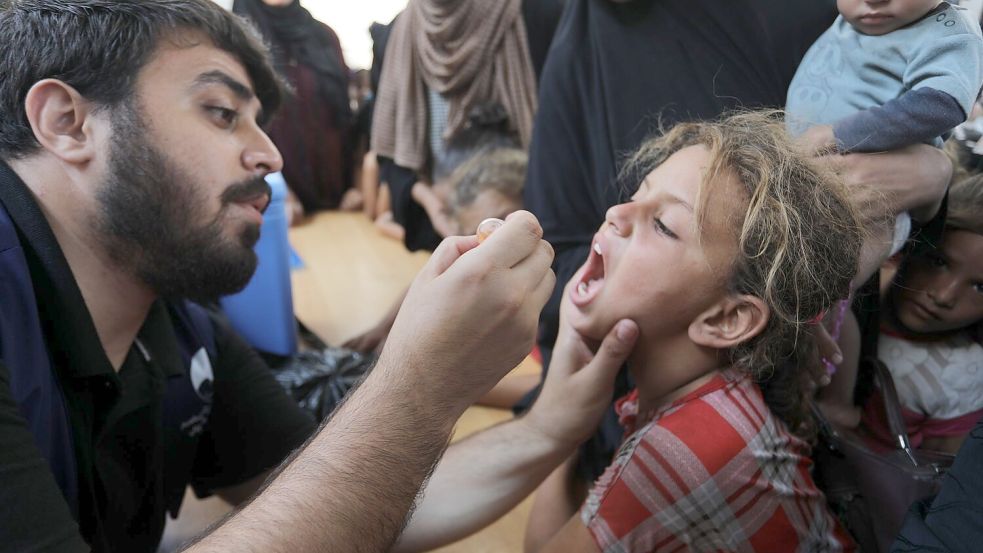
<point x="263" y="312"/>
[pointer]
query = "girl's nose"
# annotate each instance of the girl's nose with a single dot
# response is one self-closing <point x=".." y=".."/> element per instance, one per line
<point x="619" y="218"/>
<point x="943" y="293"/>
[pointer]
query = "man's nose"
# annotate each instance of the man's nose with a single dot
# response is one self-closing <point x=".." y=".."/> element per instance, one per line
<point x="261" y="156"/>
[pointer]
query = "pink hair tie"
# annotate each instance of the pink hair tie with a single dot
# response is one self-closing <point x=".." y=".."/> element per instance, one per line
<point x="841" y="307"/>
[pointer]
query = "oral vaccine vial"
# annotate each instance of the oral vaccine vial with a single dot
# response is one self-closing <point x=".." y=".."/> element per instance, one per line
<point x="487" y="227"/>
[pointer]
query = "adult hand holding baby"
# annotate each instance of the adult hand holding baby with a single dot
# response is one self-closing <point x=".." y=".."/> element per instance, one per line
<point x="470" y="316"/>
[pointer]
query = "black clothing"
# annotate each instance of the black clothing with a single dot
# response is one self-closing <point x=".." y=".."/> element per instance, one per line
<point x="616" y="71"/>
<point x="541" y="18"/>
<point x="950" y="521"/>
<point x="132" y="462"/>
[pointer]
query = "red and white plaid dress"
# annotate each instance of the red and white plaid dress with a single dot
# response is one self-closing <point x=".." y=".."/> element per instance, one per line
<point x="713" y="471"/>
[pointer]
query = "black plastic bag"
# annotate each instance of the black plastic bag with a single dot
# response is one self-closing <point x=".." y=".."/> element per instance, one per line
<point x="318" y="380"/>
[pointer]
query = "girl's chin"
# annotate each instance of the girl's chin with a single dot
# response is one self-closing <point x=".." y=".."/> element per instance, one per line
<point x="586" y="326"/>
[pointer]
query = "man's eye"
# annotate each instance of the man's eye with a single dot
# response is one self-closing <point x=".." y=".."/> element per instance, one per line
<point x="661" y="227"/>
<point x="978" y="287"/>
<point x="227" y="117"/>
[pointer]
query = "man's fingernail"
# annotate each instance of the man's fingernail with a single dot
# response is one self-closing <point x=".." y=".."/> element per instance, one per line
<point x="837" y="358"/>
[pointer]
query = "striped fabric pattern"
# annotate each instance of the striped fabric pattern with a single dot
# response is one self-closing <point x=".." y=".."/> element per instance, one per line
<point x="714" y="471"/>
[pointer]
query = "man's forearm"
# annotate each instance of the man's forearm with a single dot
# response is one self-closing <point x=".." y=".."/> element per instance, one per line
<point x="351" y="487"/>
<point x="479" y="480"/>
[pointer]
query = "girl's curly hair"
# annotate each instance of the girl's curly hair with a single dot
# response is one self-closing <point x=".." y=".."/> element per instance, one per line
<point x="798" y="245"/>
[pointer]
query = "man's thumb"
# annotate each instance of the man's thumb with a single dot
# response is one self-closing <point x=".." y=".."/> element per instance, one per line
<point x="613" y="353"/>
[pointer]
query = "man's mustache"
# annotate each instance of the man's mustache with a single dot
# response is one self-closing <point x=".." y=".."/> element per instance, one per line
<point x="247" y="190"/>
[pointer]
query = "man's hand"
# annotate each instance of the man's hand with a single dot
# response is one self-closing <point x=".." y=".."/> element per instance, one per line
<point x="580" y="382"/>
<point x="471" y="314"/>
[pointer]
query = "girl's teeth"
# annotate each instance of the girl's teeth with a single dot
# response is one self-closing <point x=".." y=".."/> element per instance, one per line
<point x="597" y="248"/>
<point x="582" y="288"/>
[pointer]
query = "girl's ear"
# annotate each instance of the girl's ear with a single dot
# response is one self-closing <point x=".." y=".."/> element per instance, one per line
<point x="731" y="321"/>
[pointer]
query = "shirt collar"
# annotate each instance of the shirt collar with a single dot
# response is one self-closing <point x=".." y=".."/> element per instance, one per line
<point x="70" y="332"/>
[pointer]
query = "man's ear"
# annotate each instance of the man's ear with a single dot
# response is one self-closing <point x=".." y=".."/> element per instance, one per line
<point x="731" y="321"/>
<point x="61" y="119"/>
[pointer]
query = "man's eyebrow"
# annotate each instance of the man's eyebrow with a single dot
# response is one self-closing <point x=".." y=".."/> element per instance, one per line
<point x="241" y="91"/>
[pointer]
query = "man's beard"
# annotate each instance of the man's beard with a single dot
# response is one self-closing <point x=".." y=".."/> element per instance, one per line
<point x="150" y="220"/>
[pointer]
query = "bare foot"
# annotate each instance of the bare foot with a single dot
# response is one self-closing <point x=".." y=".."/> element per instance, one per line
<point x="389" y="227"/>
<point x="351" y="200"/>
<point x="294" y="209"/>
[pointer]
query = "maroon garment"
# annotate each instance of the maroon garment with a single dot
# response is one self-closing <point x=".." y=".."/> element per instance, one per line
<point x="313" y="139"/>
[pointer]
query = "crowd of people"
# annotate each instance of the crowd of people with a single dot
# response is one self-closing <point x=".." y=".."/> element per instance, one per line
<point x="718" y="217"/>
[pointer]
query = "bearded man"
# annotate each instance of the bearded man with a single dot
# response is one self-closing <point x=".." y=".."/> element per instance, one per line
<point x="132" y="164"/>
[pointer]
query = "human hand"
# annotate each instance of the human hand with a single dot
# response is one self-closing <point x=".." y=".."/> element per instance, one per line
<point x="580" y="381"/>
<point x="470" y="316"/>
<point x="817" y="141"/>
<point x="882" y="185"/>
<point x="369" y="341"/>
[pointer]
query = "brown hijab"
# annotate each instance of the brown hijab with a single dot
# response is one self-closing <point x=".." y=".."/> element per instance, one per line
<point x="472" y="52"/>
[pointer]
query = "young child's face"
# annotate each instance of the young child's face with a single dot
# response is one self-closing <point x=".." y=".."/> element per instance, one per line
<point x="880" y="17"/>
<point x="943" y="291"/>
<point x="648" y="263"/>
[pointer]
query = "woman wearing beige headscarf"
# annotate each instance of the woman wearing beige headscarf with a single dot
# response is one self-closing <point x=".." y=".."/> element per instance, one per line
<point x="469" y="52"/>
<point x="443" y="59"/>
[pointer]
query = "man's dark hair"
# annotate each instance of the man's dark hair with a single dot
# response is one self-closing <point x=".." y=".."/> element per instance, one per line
<point x="99" y="46"/>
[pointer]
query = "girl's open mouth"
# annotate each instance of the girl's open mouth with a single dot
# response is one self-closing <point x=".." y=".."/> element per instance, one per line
<point x="590" y="278"/>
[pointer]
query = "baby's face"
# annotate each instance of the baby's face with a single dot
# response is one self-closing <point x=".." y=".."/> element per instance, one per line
<point x="880" y="17"/>
<point x="942" y="291"/>
<point x="649" y="263"/>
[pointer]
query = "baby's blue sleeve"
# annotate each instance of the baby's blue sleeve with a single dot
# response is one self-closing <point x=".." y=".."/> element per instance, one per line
<point x="952" y="64"/>
<point x="918" y="116"/>
<point x="943" y="78"/>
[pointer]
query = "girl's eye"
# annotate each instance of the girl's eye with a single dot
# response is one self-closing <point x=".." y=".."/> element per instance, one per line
<point x="661" y="227"/>
<point x="224" y="116"/>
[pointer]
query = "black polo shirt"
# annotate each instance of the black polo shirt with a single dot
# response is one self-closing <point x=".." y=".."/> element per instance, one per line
<point x="131" y="464"/>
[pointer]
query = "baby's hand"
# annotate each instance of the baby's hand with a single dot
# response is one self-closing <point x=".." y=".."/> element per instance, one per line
<point x="818" y="141"/>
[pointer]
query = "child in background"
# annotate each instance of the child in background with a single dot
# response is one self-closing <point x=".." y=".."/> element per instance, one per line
<point x="932" y="332"/>
<point x="487" y="185"/>
<point x="487" y="130"/>
<point x="887" y="74"/>
<point x="733" y="241"/>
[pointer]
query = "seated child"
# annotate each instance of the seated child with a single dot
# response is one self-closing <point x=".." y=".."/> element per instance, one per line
<point x="732" y="243"/>
<point x="486" y="185"/>
<point x="487" y="130"/>
<point x="886" y="75"/>
<point x="932" y="332"/>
